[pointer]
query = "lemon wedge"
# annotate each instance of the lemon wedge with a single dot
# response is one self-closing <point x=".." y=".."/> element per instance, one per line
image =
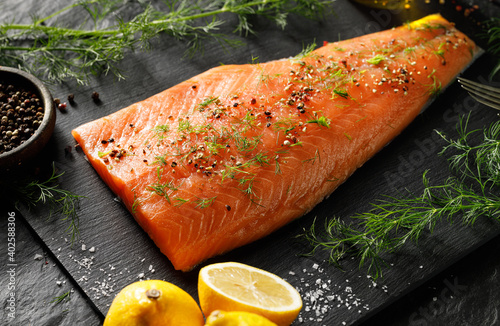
<point x="238" y="287"/>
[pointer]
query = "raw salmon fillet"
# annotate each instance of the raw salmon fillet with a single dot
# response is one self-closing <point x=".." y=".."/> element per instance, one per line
<point x="231" y="155"/>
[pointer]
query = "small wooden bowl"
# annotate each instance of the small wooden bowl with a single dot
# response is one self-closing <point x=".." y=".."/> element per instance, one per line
<point x="21" y="154"/>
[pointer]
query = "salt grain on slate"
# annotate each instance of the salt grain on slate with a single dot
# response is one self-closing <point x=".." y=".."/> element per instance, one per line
<point x="102" y="289"/>
<point x="86" y="262"/>
<point x="105" y="285"/>
<point x="322" y="295"/>
<point x="38" y="257"/>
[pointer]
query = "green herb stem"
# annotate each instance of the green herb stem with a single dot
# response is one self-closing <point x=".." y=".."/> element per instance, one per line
<point x="98" y="50"/>
<point x="493" y="38"/>
<point x="48" y="193"/>
<point x="61" y="30"/>
<point x="59" y="299"/>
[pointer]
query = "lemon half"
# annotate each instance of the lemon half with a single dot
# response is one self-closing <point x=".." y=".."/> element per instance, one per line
<point x="239" y="287"/>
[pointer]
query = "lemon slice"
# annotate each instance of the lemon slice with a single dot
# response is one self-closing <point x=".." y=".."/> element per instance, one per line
<point x="239" y="287"/>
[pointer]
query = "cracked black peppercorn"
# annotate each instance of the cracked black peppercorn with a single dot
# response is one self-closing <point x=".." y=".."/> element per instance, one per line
<point x="21" y="113"/>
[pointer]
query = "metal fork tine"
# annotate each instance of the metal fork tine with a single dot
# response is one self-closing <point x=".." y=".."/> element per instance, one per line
<point x="490" y="104"/>
<point x="484" y="94"/>
<point x="478" y="86"/>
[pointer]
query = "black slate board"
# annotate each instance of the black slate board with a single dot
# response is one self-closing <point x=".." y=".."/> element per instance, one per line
<point x="123" y="252"/>
<point x="37" y="280"/>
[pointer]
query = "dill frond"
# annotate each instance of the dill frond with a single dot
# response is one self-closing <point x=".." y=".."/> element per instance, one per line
<point x="58" y="53"/>
<point x="59" y="299"/>
<point x="493" y="38"/>
<point x="48" y="193"/>
<point x="394" y="221"/>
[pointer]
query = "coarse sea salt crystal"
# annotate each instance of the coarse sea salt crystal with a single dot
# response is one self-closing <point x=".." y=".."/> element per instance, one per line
<point x="38" y="257"/>
<point x="322" y="296"/>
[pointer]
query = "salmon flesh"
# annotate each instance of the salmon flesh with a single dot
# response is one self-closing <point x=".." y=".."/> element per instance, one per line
<point x="233" y="154"/>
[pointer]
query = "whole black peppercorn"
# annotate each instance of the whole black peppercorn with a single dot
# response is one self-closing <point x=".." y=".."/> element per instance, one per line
<point x="17" y="116"/>
<point x="95" y="96"/>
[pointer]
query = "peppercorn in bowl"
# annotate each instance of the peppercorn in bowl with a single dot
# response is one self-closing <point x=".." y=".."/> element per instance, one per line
<point x="27" y="117"/>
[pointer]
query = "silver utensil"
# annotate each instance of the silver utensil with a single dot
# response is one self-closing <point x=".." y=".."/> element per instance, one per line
<point x="487" y="95"/>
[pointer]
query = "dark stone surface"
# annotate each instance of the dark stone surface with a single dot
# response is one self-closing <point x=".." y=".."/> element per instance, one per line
<point x="36" y="279"/>
<point x="452" y="256"/>
<point x="466" y="293"/>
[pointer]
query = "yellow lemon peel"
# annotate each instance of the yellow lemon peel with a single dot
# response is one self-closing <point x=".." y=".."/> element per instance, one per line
<point x="237" y="318"/>
<point x="153" y="302"/>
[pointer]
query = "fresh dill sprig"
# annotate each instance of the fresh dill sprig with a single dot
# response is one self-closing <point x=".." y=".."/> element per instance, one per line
<point x="204" y="202"/>
<point x="322" y="121"/>
<point x="306" y="51"/>
<point x="50" y="194"/>
<point x="376" y="60"/>
<point x="493" y="37"/>
<point x="341" y="92"/>
<point x="478" y="162"/>
<point x="59" y="299"/>
<point x="161" y="189"/>
<point x="394" y="221"/>
<point x="57" y="53"/>
<point x="435" y="87"/>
